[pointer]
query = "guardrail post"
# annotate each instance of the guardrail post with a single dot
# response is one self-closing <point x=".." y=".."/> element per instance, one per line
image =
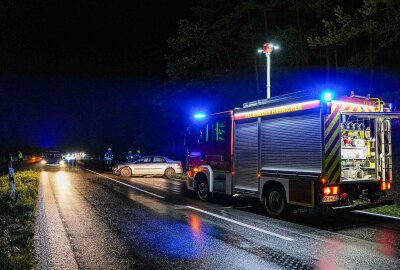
<point x="11" y="176"/>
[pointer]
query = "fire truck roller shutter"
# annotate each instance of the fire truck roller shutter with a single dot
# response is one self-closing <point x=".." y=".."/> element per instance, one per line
<point x="292" y="143"/>
<point x="246" y="155"/>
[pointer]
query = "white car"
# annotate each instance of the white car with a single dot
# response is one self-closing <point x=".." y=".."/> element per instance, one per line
<point x="149" y="165"/>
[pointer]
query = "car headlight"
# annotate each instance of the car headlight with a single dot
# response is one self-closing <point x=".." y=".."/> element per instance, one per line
<point x="62" y="162"/>
<point x="43" y="161"/>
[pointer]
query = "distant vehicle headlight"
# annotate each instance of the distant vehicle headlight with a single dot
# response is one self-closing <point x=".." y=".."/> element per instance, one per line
<point x="62" y="162"/>
<point x="43" y="161"/>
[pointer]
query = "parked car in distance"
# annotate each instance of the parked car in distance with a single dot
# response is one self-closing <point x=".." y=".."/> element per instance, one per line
<point x="53" y="159"/>
<point x="33" y="159"/>
<point x="149" y="165"/>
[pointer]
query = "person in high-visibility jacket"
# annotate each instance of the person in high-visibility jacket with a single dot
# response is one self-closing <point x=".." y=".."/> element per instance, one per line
<point x="138" y="155"/>
<point x="129" y="156"/>
<point x="20" y="157"/>
<point x="108" y="156"/>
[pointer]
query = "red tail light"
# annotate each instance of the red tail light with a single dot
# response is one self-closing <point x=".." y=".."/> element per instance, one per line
<point x="323" y="181"/>
<point x="385" y="186"/>
<point x="330" y="190"/>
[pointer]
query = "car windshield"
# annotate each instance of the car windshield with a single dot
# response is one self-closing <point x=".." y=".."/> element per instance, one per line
<point x="52" y="155"/>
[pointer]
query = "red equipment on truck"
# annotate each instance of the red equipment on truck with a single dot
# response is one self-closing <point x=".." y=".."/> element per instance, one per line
<point x="299" y="152"/>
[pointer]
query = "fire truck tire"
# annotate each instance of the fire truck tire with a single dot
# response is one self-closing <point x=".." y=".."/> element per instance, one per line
<point x="275" y="202"/>
<point x="126" y="172"/>
<point x="169" y="173"/>
<point x="203" y="191"/>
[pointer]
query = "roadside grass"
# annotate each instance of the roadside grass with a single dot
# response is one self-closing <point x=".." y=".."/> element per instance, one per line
<point x="17" y="220"/>
<point x="390" y="210"/>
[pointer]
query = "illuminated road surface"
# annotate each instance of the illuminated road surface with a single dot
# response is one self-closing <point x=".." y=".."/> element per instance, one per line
<point x="100" y="221"/>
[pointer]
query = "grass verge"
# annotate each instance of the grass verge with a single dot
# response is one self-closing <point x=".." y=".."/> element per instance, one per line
<point x="180" y="176"/>
<point x="390" y="210"/>
<point x="17" y="221"/>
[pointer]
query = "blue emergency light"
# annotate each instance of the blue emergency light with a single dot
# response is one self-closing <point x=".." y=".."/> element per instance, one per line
<point x="199" y="116"/>
<point x="327" y="96"/>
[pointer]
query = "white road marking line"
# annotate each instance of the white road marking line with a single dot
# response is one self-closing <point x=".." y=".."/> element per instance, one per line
<point x="144" y="182"/>
<point x="376" y="214"/>
<point x="125" y="184"/>
<point x="241" y="224"/>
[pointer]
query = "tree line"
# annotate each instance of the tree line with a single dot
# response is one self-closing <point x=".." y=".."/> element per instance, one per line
<point x="222" y="36"/>
<point x="212" y="59"/>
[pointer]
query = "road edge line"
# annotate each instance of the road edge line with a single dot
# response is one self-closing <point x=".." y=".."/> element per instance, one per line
<point x="376" y="214"/>
<point x="241" y="223"/>
<point x="125" y="184"/>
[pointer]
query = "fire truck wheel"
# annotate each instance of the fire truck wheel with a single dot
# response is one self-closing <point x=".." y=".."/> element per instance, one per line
<point x="126" y="172"/>
<point x="275" y="202"/>
<point x="202" y="191"/>
<point x="169" y="173"/>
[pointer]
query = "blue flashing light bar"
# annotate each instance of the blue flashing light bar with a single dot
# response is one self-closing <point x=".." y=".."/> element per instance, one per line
<point x="199" y="116"/>
<point x="327" y="96"/>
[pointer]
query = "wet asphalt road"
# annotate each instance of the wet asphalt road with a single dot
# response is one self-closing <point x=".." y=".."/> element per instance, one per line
<point x="87" y="220"/>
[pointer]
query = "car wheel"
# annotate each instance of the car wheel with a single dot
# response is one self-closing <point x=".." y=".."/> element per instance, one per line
<point x="169" y="173"/>
<point x="275" y="202"/>
<point x="203" y="191"/>
<point x="126" y="172"/>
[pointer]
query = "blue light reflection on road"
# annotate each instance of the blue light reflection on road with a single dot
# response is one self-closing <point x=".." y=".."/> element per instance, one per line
<point x="161" y="237"/>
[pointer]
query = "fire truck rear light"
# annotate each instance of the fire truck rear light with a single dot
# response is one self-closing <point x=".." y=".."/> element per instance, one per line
<point x="385" y="186"/>
<point x="323" y="181"/>
<point x="330" y="190"/>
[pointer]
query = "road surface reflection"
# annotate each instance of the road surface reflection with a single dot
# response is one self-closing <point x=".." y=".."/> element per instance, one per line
<point x="62" y="180"/>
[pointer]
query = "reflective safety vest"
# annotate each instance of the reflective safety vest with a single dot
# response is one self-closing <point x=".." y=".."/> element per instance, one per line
<point x="108" y="155"/>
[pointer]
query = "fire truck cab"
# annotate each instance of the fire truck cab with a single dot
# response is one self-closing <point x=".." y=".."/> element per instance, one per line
<point x="301" y="152"/>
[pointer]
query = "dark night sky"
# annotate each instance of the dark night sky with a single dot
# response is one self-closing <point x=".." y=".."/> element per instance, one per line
<point x="89" y="38"/>
<point x="83" y="75"/>
<point x="76" y="74"/>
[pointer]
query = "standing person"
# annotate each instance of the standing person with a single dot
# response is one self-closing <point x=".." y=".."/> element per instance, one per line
<point x="108" y="157"/>
<point x="129" y="156"/>
<point x="138" y="155"/>
<point x="9" y="160"/>
<point x="20" y="157"/>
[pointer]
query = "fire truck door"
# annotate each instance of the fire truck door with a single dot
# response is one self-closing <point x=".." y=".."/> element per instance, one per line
<point x="384" y="149"/>
<point x="246" y="155"/>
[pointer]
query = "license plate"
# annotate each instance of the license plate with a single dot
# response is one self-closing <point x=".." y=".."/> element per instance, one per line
<point x="332" y="198"/>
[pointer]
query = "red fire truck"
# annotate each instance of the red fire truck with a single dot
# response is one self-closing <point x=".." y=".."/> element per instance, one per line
<point x="299" y="152"/>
